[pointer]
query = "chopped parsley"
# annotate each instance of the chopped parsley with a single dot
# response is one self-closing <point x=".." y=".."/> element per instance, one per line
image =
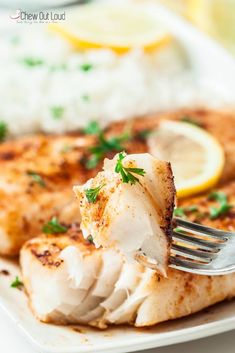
<point x="57" y="111"/>
<point x="91" y="194"/>
<point x="90" y="239"/>
<point x="92" y="128"/>
<point x="15" y="40"/>
<point x="127" y="174"/>
<point x="188" y="119"/>
<point x="54" y="227"/>
<point x="144" y="134"/>
<point x="86" y="67"/>
<point x="182" y="211"/>
<point x="103" y="146"/>
<point x="17" y="283"/>
<point x="223" y="208"/>
<point x="3" y="130"/>
<point x="179" y="212"/>
<point x="32" y="62"/>
<point x="85" y="97"/>
<point x="37" y="178"/>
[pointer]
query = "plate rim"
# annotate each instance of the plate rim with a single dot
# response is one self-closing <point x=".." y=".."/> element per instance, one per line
<point x="132" y="344"/>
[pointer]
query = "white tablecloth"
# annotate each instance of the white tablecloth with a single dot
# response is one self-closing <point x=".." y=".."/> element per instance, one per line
<point x="12" y="341"/>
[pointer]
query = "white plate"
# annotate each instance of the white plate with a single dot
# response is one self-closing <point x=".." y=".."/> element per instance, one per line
<point x="78" y="339"/>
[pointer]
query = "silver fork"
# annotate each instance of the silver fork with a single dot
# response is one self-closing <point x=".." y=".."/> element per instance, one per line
<point x="202" y="250"/>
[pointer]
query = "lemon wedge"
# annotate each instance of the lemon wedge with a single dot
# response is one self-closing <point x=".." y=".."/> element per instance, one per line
<point x="196" y="157"/>
<point x="120" y="28"/>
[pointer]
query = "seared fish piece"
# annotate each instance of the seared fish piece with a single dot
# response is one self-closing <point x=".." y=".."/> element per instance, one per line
<point x="36" y="179"/>
<point x="38" y="172"/>
<point x="69" y="281"/>
<point x="135" y="216"/>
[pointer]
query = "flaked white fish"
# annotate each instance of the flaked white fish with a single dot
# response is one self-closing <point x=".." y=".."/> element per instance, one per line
<point x="134" y="218"/>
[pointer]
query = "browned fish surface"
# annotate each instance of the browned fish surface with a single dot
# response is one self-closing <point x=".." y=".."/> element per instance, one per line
<point x="38" y="172"/>
<point x="37" y="175"/>
<point x="201" y="210"/>
<point x="132" y="294"/>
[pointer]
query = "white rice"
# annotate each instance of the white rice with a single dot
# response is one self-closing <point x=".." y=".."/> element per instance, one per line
<point x="115" y="87"/>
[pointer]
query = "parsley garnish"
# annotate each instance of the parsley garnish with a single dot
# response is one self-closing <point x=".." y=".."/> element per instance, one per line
<point x="224" y="206"/>
<point x="57" y="111"/>
<point x="181" y="211"/>
<point x="17" y="283"/>
<point x="188" y="119"/>
<point x="37" y="178"/>
<point x="86" y="67"/>
<point x="103" y="146"/>
<point x="3" y="130"/>
<point x="91" y="194"/>
<point x="15" y="40"/>
<point x="54" y="227"/>
<point x="144" y="134"/>
<point x="32" y="62"/>
<point x="90" y="239"/>
<point x="92" y="128"/>
<point x="127" y="174"/>
<point x="85" y="97"/>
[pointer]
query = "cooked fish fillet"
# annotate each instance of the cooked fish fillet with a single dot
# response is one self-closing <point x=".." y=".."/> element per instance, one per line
<point x="135" y="218"/>
<point x="37" y="175"/>
<point x="98" y="287"/>
<point x="26" y="205"/>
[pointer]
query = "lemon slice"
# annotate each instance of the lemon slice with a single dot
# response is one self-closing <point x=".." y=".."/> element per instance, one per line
<point x="197" y="158"/>
<point x="119" y="28"/>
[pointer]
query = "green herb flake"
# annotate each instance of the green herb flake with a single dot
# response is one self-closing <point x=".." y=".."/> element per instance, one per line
<point x="15" y="40"/>
<point x="179" y="212"/>
<point x="54" y="227"/>
<point x="57" y="111"/>
<point x="144" y="134"/>
<point x="90" y="239"/>
<point x="91" y="194"/>
<point x="128" y="174"/>
<point x="189" y="120"/>
<point x="37" y="178"/>
<point x="85" y="97"/>
<point x="86" y="67"/>
<point x="192" y="208"/>
<point x="17" y="283"/>
<point x="92" y="128"/>
<point x="103" y="146"/>
<point x="224" y="206"/>
<point x="32" y="62"/>
<point x="183" y="211"/>
<point x="3" y="130"/>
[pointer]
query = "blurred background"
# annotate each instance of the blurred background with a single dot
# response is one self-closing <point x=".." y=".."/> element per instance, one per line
<point x="215" y="17"/>
<point x="86" y="63"/>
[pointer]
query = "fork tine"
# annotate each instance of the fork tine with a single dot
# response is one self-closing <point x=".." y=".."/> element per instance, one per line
<point x="184" y="265"/>
<point x="198" y="255"/>
<point x="200" y="243"/>
<point x="203" y="230"/>
<point x="200" y="269"/>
